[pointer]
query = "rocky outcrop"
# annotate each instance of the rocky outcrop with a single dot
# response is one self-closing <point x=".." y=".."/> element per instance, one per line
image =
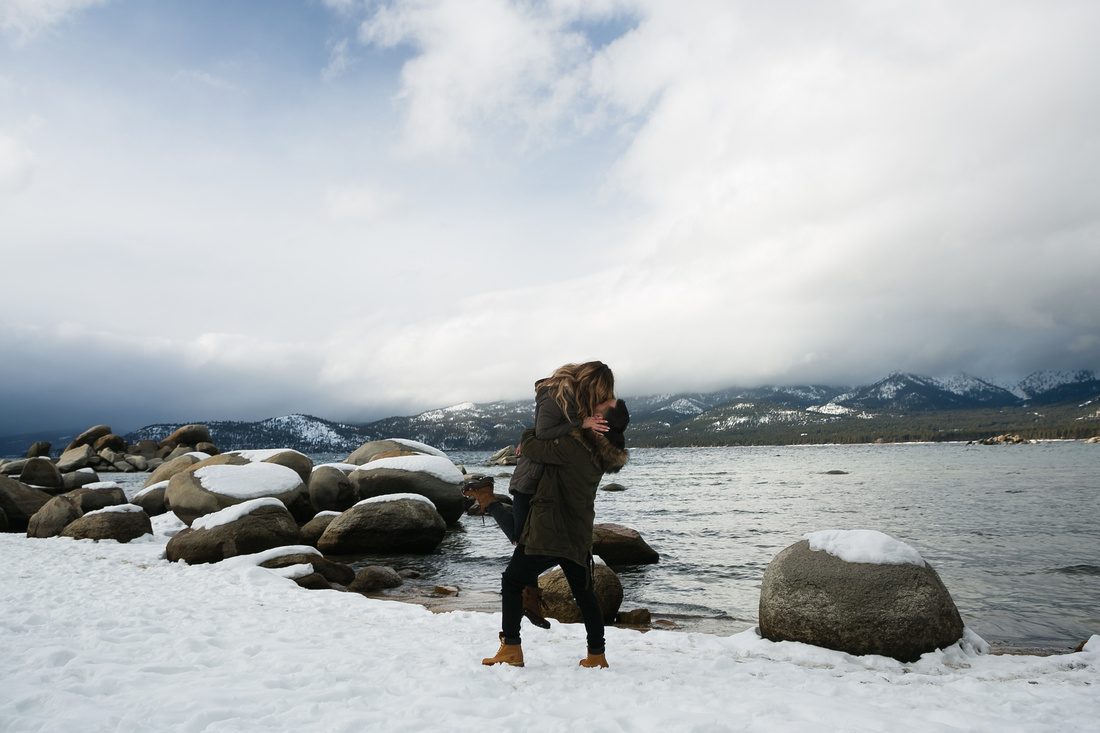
<point x="433" y="477"/>
<point x="1006" y="439"/>
<point x="385" y="525"/>
<point x="619" y="545"/>
<point x="210" y="488"/>
<point x="374" y="578"/>
<point x="242" y="529"/>
<point x="54" y="516"/>
<point x="19" y="503"/>
<point x="559" y="598"/>
<point x="896" y="610"/>
<point x="120" y="523"/>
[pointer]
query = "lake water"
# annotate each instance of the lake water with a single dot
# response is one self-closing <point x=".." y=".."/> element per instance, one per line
<point x="1013" y="531"/>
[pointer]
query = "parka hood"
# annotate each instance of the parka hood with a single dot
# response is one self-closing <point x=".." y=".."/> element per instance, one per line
<point x="607" y="457"/>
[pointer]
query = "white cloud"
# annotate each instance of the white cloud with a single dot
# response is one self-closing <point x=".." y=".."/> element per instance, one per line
<point x="204" y="78"/>
<point x="23" y="19"/>
<point x="359" y="202"/>
<point x="17" y="165"/>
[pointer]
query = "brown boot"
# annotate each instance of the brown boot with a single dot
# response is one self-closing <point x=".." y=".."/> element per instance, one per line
<point x="595" y="660"/>
<point x="508" y="654"/>
<point x="533" y="606"/>
<point x="482" y="490"/>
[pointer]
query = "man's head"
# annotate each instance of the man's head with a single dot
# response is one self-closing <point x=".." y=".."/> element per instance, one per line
<point x="617" y="418"/>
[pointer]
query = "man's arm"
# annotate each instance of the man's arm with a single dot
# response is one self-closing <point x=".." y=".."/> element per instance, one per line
<point x="554" y="452"/>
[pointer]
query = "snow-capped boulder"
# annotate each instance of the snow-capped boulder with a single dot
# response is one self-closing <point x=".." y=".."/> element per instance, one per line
<point x="387" y="524"/>
<point x="121" y="523"/>
<point x="434" y="477"/>
<point x="168" y="469"/>
<point x="20" y="502"/>
<point x="391" y="448"/>
<point x="331" y="571"/>
<point x="41" y="472"/>
<point x="299" y="462"/>
<point x="54" y="516"/>
<point x="93" y="497"/>
<point x="374" y="578"/>
<point x="83" y="477"/>
<point x="860" y="592"/>
<point x="151" y="499"/>
<point x="619" y="545"/>
<point x="314" y="528"/>
<point x="243" y="528"/>
<point x="210" y="488"/>
<point x="559" y="598"/>
<point x="330" y="490"/>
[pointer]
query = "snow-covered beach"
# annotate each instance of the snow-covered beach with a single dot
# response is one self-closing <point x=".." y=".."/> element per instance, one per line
<point x="107" y="636"/>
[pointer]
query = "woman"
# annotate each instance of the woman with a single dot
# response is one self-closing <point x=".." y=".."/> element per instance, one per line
<point x="559" y="523"/>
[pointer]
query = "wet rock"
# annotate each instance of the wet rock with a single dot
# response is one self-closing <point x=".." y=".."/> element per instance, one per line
<point x="374" y="578"/>
<point x="619" y="545"/>
<point x="559" y="598"/>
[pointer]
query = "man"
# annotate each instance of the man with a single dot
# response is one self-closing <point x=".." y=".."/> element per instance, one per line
<point x="559" y="527"/>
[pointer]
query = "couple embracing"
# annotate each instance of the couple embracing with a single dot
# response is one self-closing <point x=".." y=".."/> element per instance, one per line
<point x="577" y="438"/>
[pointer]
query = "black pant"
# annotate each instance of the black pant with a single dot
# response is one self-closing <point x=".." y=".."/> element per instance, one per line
<point x="511" y="521"/>
<point x="524" y="569"/>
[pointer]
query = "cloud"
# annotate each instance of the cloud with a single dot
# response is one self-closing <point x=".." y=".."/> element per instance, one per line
<point x="204" y="78"/>
<point x="24" y="19"/>
<point x="17" y="165"/>
<point x="359" y="202"/>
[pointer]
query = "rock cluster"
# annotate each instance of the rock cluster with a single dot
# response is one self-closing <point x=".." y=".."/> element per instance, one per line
<point x="506" y="456"/>
<point x="1005" y="439"/>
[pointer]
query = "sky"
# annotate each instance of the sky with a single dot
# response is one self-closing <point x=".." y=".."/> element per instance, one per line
<point x="235" y="210"/>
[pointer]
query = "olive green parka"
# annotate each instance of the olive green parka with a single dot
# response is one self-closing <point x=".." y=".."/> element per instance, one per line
<point x="563" y="509"/>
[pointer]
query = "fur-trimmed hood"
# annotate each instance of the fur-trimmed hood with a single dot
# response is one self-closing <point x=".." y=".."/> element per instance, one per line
<point x="607" y="457"/>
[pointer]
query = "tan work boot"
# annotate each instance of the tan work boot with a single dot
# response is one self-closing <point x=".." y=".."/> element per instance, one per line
<point x="482" y="491"/>
<point x="508" y="654"/>
<point x="533" y="606"/>
<point x="594" y="660"/>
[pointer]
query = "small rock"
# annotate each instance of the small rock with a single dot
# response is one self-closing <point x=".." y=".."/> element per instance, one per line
<point x="375" y="578"/>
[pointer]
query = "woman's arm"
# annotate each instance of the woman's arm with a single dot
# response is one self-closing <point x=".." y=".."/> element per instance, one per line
<point x="550" y="422"/>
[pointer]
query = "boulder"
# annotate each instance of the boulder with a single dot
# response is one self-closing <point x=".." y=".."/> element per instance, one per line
<point x="330" y="490"/>
<point x="374" y="578"/>
<point x="213" y="487"/>
<point x="83" y="477"/>
<point x="559" y="598"/>
<point x="42" y="473"/>
<point x="41" y="449"/>
<point x="19" y="503"/>
<point x="89" y="437"/>
<point x="76" y="458"/>
<point x="385" y="525"/>
<point x="120" y="523"/>
<point x="13" y="468"/>
<point x="368" y="451"/>
<point x="612" y="487"/>
<point x="900" y="610"/>
<point x="506" y="456"/>
<point x="3" y="521"/>
<point x="54" y="516"/>
<point x="138" y="462"/>
<point x="110" y="440"/>
<point x="151" y="499"/>
<point x="244" y="528"/>
<point x="298" y="462"/>
<point x="619" y="545"/>
<point x="94" y="497"/>
<point x="314" y="528"/>
<point x="208" y="448"/>
<point x="179" y="451"/>
<point x="189" y="435"/>
<point x="333" y="572"/>
<point x="433" y="477"/>
<point x="168" y="469"/>
<point x="147" y="449"/>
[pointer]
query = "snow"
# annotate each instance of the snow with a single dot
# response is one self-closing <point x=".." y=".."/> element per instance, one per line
<point x="864" y="545"/>
<point x="422" y="447"/>
<point x="344" y="467"/>
<point x="258" y="456"/>
<point x="132" y="642"/>
<point x="234" y="512"/>
<point x="437" y="466"/>
<point x="116" y="509"/>
<point x="250" y="481"/>
<point x="153" y="487"/>
<point x="101" y="485"/>
<point x="198" y="454"/>
<point x="395" y="497"/>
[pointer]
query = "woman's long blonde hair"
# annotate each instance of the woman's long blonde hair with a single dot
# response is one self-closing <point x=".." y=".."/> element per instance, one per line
<point x="589" y="384"/>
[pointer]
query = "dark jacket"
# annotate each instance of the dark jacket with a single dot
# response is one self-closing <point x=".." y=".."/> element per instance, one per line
<point x="563" y="509"/>
<point x="550" y="424"/>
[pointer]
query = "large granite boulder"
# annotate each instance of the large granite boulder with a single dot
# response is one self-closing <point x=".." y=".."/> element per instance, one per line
<point x="20" y="502"/>
<point x="89" y="437"/>
<point x="168" y="469"/>
<point x="390" y="448"/>
<point x="559" y="598"/>
<point x="314" y="528"/>
<point x="299" y="462"/>
<point x="115" y="442"/>
<point x="619" y="545"/>
<point x="76" y="458"/>
<point x="121" y="523"/>
<point x="243" y="528"/>
<point x="213" y="487"/>
<point x="433" y="477"/>
<point x="388" y="524"/>
<point x="151" y="499"/>
<point x="40" y="449"/>
<point x="859" y="592"/>
<point x="54" y="516"/>
<point x="330" y="490"/>
<point x="147" y="449"/>
<point x="189" y="435"/>
<point x="76" y="479"/>
<point x="42" y="473"/>
<point x="94" y="497"/>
